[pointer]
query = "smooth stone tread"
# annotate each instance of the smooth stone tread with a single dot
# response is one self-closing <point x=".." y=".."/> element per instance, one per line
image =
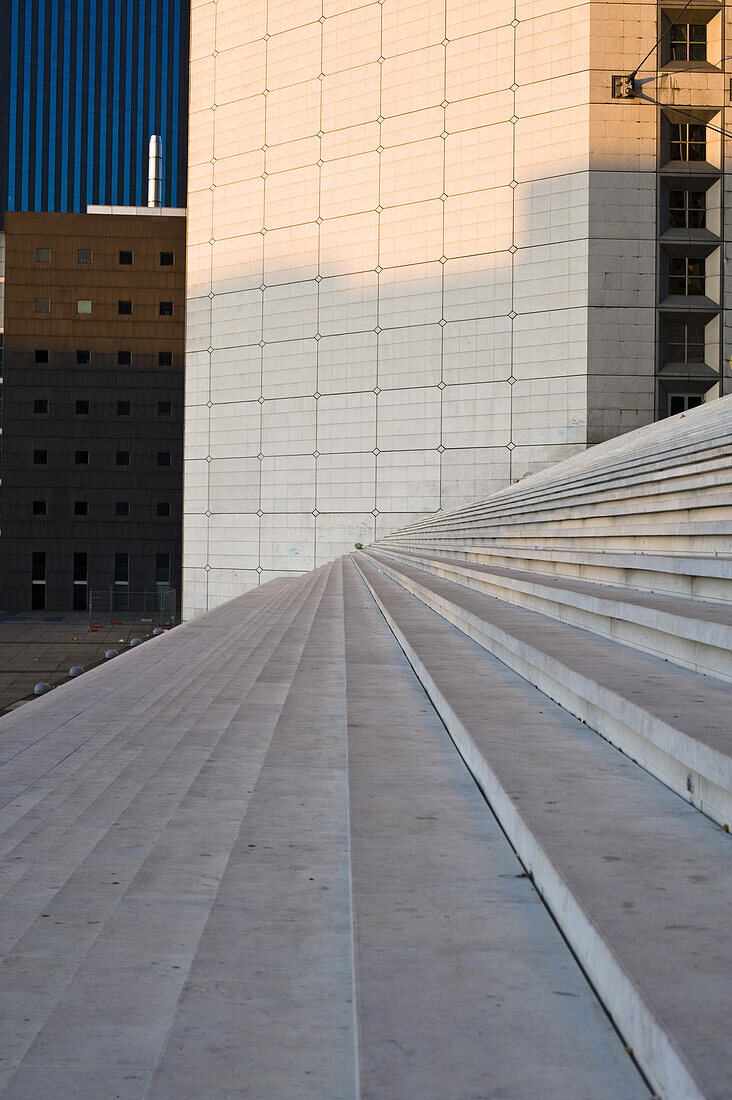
<point x="638" y="880"/>
<point x="672" y="721"/>
<point x="291" y="887"/>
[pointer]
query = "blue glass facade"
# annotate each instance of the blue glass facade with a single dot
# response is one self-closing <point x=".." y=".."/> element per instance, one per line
<point x="83" y="84"/>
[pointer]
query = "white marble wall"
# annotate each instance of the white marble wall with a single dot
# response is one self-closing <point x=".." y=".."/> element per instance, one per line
<point x="395" y="302"/>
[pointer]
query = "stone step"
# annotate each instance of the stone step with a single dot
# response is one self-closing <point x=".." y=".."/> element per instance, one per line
<point x="695" y="576"/>
<point x="695" y="634"/>
<point x="634" y="877"/>
<point x="111" y="705"/>
<point x="464" y="986"/>
<point x="672" y="721"/>
<point x="128" y="889"/>
<point x="131" y="753"/>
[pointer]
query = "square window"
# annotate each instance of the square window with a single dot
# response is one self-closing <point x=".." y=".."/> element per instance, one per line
<point x="43" y="305"/>
<point x="688" y="42"/>
<point x="166" y="259"/>
<point x="43" y="255"/>
<point x="81" y="458"/>
<point x="685" y="341"/>
<point x="39" y="507"/>
<point x="124" y="307"/>
<point x="40" y="458"/>
<point x="82" y="408"/>
<point x="166" y="309"/>
<point x="81" y="507"/>
<point x="83" y="305"/>
<point x="164" y="408"/>
<point x="165" y="359"/>
<point x="685" y="275"/>
<point x="83" y="256"/>
<point x="124" y="358"/>
<point x="125" y="258"/>
<point x="162" y="508"/>
<point x="40" y="405"/>
<point x="163" y="458"/>
<point x="41" y="355"/>
<point x="687" y="209"/>
<point x="83" y="356"/>
<point x="123" y="458"/>
<point x="123" y="408"/>
<point x="688" y="141"/>
<point x="121" y="507"/>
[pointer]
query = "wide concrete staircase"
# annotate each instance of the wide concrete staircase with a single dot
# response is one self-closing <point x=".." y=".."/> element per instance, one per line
<point x="443" y="820"/>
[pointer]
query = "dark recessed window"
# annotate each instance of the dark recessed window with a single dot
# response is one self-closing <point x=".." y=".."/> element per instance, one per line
<point x="687" y="209"/>
<point x="121" y="568"/>
<point x="688" y="42"/>
<point x="685" y="343"/>
<point x="685" y="275"/>
<point x="162" y="508"/>
<point x="43" y="305"/>
<point x="43" y="255"/>
<point x="680" y="402"/>
<point x="40" y="405"/>
<point x="164" y="408"/>
<point x="163" y="458"/>
<point x="83" y="256"/>
<point x="125" y="258"/>
<point x="41" y="355"/>
<point x="39" y="507"/>
<point x="38" y="581"/>
<point x="166" y="259"/>
<point x="124" y="358"/>
<point x="124" y="307"/>
<point x="121" y="507"/>
<point x="83" y="356"/>
<point x="165" y="359"/>
<point x="123" y="408"/>
<point x="123" y="458"/>
<point x="81" y="507"/>
<point x="166" y="309"/>
<point x="82" y="408"/>
<point x="81" y="458"/>
<point x="688" y="141"/>
<point x="162" y="568"/>
<point x="40" y="458"/>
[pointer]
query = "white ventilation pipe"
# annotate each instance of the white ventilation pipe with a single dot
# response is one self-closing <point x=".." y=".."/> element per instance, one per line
<point x="155" y="172"/>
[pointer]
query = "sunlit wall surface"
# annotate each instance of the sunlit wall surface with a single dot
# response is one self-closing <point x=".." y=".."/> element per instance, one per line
<point x="422" y="262"/>
<point x="83" y="84"/>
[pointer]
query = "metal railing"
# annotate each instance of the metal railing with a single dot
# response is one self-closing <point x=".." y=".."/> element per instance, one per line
<point x="158" y="606"/>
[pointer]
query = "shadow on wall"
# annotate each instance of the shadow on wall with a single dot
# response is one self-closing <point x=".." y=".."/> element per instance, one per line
<point x="326" y="407"/>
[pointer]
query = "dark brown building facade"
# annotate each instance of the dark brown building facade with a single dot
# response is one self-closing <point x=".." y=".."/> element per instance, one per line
<point x="92" y="434"/>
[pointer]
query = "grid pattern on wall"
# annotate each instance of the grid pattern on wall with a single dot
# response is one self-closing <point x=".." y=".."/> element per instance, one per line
<point x="388" y="265"/>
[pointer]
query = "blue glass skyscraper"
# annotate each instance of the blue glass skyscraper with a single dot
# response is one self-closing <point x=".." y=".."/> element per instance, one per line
<point x="83" y="84"/>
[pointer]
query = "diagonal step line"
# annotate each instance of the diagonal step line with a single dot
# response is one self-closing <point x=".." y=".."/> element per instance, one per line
<point x="704" y="752"/>
<point x="307" y="610"/>
<point x="134" y="690"/>
<point x="636" y="1018"/>
<point x="166" y="1080"/>
<point x="100" y="715"/>
<point x="147" y="777"/>
<point x="117" y="743"/>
